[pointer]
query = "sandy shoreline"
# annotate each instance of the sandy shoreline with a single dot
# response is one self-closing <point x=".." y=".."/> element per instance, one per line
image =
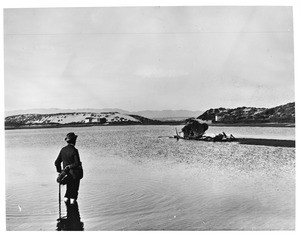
<point x="258" y="141"/>
<point x="267" y="142"/>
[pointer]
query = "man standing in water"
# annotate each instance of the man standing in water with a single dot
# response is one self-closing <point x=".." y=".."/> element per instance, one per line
<point x="69" y="157"/>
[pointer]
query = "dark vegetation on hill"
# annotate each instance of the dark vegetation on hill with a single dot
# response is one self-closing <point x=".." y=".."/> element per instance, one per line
<point x="280" y="114"/>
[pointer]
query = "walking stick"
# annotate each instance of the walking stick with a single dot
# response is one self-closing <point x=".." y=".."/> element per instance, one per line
<point x="59" y="201"/>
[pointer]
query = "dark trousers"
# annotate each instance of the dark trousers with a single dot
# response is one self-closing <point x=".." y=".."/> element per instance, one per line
<point x="72" y="188"/>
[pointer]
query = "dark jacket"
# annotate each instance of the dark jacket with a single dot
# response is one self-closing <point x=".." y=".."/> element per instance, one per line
<point x="69" y="156"/>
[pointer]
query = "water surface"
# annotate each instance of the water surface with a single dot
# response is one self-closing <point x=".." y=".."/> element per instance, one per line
<point x="134" y="180"/>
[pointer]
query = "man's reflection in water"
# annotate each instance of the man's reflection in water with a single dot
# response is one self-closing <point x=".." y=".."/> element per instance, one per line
<point x="71" y="222"/>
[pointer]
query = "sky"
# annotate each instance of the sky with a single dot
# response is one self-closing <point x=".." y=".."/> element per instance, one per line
<point x="148" y="58"/>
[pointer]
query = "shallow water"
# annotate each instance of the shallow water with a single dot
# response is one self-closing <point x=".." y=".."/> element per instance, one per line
<point x="134" y="180"/>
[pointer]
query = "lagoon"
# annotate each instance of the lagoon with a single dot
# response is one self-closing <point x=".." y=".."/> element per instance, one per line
<point x="134" y="180"/>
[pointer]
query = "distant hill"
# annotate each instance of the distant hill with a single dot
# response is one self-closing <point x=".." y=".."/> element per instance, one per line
<point x="69" y="119"/>
<point x="280" y="114"/>
<point x="152" y="114"/>
<point x="79" y="119"/>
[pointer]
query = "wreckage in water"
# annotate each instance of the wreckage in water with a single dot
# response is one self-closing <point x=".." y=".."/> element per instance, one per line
<point x="195" y="130"/>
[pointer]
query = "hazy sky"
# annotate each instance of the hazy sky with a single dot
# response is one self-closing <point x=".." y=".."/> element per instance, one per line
<point x="155" y="58"/>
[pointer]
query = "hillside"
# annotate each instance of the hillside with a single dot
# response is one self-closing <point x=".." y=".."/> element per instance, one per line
<point x="152" y="114"/>
<point x="79" y="118"/>
<point x="280" y="114"/>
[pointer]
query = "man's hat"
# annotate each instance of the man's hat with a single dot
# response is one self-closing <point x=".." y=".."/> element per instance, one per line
<point x="70" y="136"/>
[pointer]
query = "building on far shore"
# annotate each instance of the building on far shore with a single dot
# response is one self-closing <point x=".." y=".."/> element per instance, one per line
<point x="218" y="118"/>
<point x="89" y="119"/>
<point x="92" y="120"/>
<point x="99" y="120"/>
